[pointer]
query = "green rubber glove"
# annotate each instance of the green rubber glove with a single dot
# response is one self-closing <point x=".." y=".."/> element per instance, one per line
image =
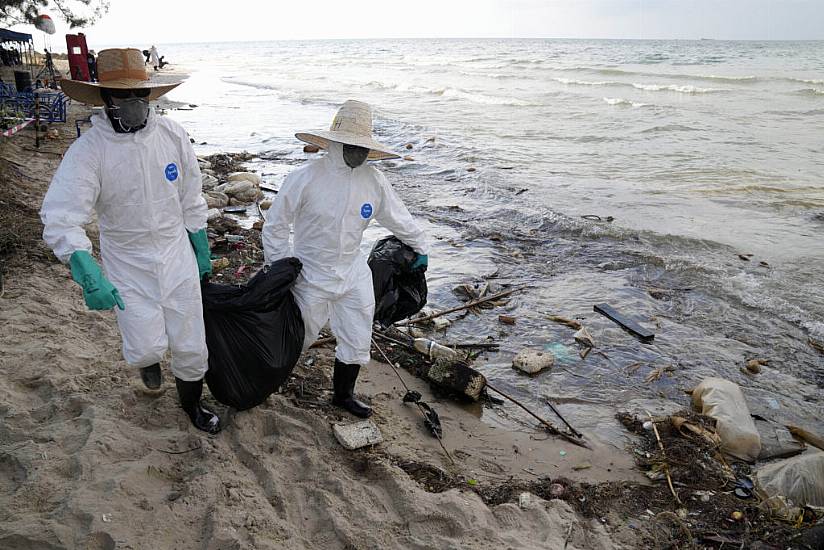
<point x="98" y="292"/>
<point x="200" y="243"/>
<point x="421" y="263"/>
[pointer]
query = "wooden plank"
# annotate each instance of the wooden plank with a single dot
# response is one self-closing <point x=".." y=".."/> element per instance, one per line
<point x="645" y="335"/>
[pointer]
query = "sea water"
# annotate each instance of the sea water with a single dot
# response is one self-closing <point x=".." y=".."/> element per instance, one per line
<point x="707" y="157"/>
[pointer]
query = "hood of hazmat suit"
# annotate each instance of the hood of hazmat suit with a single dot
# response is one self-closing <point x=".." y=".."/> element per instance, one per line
<point x="146" y="190"/>
<point x="330" y="206"/>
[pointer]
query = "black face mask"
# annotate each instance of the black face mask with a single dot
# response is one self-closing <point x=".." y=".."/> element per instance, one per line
<point x="354" y="156"/>
<point x="128" y="110"/>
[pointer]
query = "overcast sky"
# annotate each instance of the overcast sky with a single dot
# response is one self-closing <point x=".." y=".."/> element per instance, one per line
<point x="141" y="23"/>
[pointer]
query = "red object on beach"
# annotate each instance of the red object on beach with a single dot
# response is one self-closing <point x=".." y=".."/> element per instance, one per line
<point x="14" y="129"/>
<point x="78" y="64"/>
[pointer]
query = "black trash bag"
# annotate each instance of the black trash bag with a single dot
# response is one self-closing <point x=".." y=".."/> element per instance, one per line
<point x="399" y="291"/>
<point x="254" y="333"/>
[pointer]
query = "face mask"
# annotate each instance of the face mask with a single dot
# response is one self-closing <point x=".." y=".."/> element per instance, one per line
<point x="131" y="113"/>
<point x="354" y="156"/>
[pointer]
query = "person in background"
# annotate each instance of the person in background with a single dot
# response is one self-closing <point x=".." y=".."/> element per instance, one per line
<point x="139" y="173"/>
<point x="92" y="63"/>
<point x="154" y="58"/>
<point x="330" y="202"/>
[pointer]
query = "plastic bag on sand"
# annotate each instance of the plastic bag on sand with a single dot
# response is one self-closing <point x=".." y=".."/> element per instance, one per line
<point x="399" y="291"/>
<point x="254" y="333"/>
<point x="722" y="400"/>
<point x="799" y="479"/>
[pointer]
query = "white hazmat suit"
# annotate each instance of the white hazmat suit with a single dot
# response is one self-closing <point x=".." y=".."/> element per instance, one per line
<point x="330" y="206"/>
<point x="146" y="190"/>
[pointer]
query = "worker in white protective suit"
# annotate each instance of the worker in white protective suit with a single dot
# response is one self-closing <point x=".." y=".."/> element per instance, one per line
<point x="139" y="173"/>
<point x="330" y="202"/>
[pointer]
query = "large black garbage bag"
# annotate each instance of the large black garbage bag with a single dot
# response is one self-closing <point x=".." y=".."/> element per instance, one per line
<point x="399" y="291"/>
<point x="254" y="334"/>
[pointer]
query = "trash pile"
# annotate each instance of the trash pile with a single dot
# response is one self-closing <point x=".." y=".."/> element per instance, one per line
<point x="712" y="485"/>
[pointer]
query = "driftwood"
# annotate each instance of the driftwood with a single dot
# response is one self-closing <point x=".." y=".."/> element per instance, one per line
<point x="459" y="308"/>
<point x="809" y="437"/>
<point x="664" y="456"/>
<point x="550" y="427"/>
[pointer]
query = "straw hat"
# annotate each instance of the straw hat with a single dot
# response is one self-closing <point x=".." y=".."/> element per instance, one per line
<point x="121" y="68"/>
<point x="352" y="125"/>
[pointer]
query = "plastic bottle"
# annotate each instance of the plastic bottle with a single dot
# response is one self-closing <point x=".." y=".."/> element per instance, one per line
<point x="434" y="350"/>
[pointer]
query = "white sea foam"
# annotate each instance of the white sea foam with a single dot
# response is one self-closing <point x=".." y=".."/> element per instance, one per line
<point x="573" y="82"/>
<point x="675" y="88"/>
<point x="625" y="102"/>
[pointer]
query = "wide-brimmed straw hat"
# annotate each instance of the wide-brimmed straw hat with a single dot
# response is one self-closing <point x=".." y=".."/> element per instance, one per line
<point x="352" y="125"/>
<point x="121" y="68"/>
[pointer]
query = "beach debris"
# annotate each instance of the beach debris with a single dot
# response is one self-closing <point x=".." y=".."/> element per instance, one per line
<point x="457" y="376"/>
<point x="645" y="335"/>
<point x="521" y="191"/>
<point x="762" y="263"/>
<point x="357" y="434"/>
<point x="430" y="417"/>
<point x="471" y="169"/>
<point x="506" y="319"/>
<point x="430" y="139"/>
<point x="799" y="479"/>
<point x="311" y="149"/>
<point x="754" y="365"/>
<point x="409" y="146"/>
<point x="215" y="199"/>
<point x="407" y="158"/>
<point x="571" y="323"/>
<point x="533" y="361"/>
<point x="657" y="373"/>
<point x="213" y="214"/>
<point x="251" y="177"/>
<point x="208" y="181"/>
<point x="737" y="516"/>
<point x="776" y="441"/>
<point x="556" y="490"/>
<point x="744" y="257"/>
<point x="817" y="346"/>
<point x="722" y="400"/>
<point x="107" y="518"/>
<point x="525" y="500"/>
<point x="810" y="438"/>
<point x="441" y="324"/>
<point x="265" y="204"/>
<point x="664" y="465"/>
<point x="584" y="338"/>
<point x="582" y="466"/>
<point x="434" y="350"/>
<point x="549" y="426"/>
<point x="234" y="210"/>
<point x="687" y="429"/>
<point x="220" y="263"/>
<point x="596" y="218"/>
<point x="427" y="318"/>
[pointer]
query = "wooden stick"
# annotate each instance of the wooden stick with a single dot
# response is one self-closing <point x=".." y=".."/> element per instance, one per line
<point x="809" y="437"/>
<point x="459" y="308"/>
<point x="664" y="454"/>
<point x="575" y="432"/>
<point x="551" y="428"/>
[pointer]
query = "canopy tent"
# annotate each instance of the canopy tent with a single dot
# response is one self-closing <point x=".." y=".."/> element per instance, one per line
<point x="12" y="36"/>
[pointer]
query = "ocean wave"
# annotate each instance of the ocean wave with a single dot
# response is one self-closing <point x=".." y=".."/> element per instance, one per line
<point x="676" y="88"/>
<point x="625" y="102"/>
<point x="811" y="91"/>
<point x="573" y="82"/>
<point x="805" y="81"/>
<point x="483" y="99"/>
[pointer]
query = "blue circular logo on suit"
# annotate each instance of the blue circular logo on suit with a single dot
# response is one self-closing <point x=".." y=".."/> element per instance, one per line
<point x="366" y="211"/>
<point x="171" y="171"/>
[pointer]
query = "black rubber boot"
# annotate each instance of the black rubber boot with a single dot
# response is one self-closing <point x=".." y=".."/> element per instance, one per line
<point x="343" y="381"/>
<point x="201" y="417"/>
<point x="152" y="376"/>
